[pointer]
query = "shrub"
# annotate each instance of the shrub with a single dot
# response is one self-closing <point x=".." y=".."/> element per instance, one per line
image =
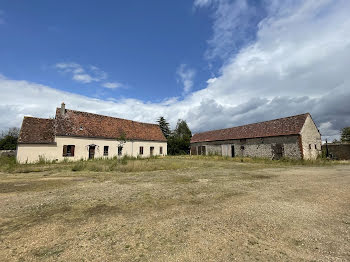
<point x="79" y="166"/>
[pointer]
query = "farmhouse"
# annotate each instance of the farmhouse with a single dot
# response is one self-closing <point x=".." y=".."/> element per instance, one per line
<point x="292" y="137"/>
<point x="76" y="135"/>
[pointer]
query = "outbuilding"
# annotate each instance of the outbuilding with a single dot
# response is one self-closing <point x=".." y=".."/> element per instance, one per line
<point x="76" y="135"/>
<point x="294" y="137"/>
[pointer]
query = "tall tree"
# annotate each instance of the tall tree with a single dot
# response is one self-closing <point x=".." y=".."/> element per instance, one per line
<point x="179" y="141"/>
<point x="8" y="139"/>
<point x="164" y="126"/>
<point x="345" y="135"/>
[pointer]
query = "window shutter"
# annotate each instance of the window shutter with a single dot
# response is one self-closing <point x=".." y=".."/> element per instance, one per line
<point x="64" y="150"/>
<point x="72" y="150"/>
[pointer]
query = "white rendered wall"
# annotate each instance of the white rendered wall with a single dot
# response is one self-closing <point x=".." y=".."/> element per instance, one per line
<point x="28" y="153"/>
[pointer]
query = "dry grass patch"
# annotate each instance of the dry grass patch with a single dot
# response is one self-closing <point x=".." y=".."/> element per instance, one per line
<point x="175" y="209"/>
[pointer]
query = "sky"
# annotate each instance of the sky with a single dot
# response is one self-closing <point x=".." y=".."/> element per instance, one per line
<point x="213" y="63"/>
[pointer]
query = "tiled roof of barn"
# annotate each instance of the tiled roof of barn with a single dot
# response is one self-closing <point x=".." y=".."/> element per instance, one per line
<point x="37" y="131"/>
<point x="83" y="124"/>
<point x="278" y="127"/>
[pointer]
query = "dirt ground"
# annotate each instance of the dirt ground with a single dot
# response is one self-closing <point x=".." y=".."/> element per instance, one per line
<point x="205" y="210"/>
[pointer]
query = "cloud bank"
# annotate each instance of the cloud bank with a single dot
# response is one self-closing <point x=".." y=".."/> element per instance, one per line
<point x="297" y="62"/>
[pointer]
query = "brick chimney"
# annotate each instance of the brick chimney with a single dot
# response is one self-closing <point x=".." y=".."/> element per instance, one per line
<point x="63" y="109"/>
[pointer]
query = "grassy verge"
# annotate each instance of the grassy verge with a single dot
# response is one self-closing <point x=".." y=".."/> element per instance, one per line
<point x="129" y="164"/>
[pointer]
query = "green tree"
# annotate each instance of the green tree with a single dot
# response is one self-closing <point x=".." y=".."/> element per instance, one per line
<point x="179" y="141"/>
<point x="8" y="139"/>
<point x="345" y="135"/>
<point x="164" y="126"/>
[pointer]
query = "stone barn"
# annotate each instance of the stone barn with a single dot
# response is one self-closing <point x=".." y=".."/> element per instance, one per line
<point x="294" y="137"/>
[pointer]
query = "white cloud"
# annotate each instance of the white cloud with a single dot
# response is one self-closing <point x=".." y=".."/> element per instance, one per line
<point x="298" y="63"/>
<point x="81" y="74"/>
<point x="211" y="80"/>
<point x="186" y="76"/>
<point x="112" y="85"/>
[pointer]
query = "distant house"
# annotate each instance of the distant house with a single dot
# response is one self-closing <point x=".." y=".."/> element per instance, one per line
<point x="79" y="135"/>
<point x="293" y="137"/>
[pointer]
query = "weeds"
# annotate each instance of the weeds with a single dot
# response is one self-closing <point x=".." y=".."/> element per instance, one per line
<point x="133" y="164"/>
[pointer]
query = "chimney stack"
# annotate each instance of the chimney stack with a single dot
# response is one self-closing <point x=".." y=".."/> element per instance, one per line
<point x="63" y="109"/>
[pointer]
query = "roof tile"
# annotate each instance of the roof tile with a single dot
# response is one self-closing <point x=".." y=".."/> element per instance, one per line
<point x="278" y="127"/>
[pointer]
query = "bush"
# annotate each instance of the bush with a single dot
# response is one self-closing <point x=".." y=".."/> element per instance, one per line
<point x="79" y="166"/>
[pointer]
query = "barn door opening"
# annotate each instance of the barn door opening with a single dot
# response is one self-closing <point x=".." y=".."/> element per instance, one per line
<point x="151" y="150"/>
<point x="233" y="151"/>
<point x="277" y="151"/>
<point x="203" y="150"/>
<point x="91" y="152"/>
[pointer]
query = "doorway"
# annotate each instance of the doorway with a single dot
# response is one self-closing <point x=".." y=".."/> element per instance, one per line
<point x="232" y="151"/>
<point x="151" y="150"/>
<point x="277" y="151"/>
<point x="91" y="152"/>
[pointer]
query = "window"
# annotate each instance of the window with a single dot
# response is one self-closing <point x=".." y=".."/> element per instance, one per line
<point x="105" y="150"/>
<point x="68" y="150"/>
<point x="141" y="150"/>
<point x="309" y="146"/>
<point x="242" y="147"/>
<point x="120" y="150"/>
<point x="151" y="150"/>
<point x="315" y="146"/>
<point x="161" y="150"/>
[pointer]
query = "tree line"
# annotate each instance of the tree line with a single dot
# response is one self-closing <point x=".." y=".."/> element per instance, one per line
<point x="8" y="139"/>
<point x="179" y="139"/>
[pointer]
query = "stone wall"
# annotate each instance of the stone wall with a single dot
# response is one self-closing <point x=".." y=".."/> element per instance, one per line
<point x="311" y="139"/>
<point x="255" y="147"/>
<point x="338" y="151"/>
<point x="7" y="152"/>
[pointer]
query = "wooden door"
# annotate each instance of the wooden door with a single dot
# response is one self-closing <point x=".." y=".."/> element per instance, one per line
<point x="91" y="152"/>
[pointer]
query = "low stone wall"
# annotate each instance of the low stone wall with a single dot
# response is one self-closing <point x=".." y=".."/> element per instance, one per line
<point x="7" y="152"/>
<point x="338" y="151"/>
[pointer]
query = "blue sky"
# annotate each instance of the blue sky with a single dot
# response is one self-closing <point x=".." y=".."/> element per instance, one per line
<point x="214" y="63"/>
<point x="139" y="44"/>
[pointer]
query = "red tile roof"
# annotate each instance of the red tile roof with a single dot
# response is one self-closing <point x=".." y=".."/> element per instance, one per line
<point x="279" y="127"/>
<point x="83" y="124"/>
<point x="37" y="131"/>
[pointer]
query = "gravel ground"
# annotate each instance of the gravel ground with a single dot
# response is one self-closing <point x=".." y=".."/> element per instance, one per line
<point x="221" y="211"/>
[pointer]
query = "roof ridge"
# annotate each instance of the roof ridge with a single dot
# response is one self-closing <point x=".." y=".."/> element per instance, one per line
<point x="57" y="108"/>
<point x="252" y="123"/>
<point x="38" y="117"/>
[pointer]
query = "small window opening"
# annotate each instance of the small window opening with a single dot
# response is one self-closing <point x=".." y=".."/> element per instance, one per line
<point x="161" y="150"/>
<point x="315" y="146"/>
<point x="309" y="146"/>
<point x="68" y="150"/>
<point x="141" y="150"/>
<point x="81" y="128"/>
<point x="120" y="150"/>
<point x="242" y="147"/>
<point x="105" y="150"/>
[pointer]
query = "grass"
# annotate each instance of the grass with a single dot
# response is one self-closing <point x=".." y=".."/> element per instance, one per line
<point x="131" y="164"/>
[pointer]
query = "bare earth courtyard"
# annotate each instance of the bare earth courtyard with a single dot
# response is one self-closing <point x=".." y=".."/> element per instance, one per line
<point x="175" y="209"/>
